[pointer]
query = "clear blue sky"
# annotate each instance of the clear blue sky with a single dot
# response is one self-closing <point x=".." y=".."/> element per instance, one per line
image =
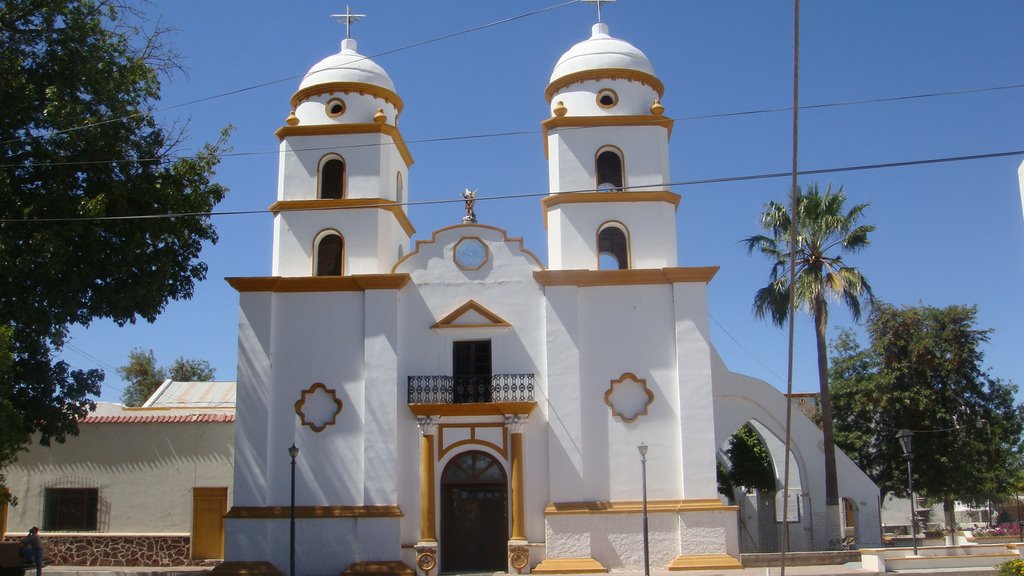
<point x="947" y="233"/>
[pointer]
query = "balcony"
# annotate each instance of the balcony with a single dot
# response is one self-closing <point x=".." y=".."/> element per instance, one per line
<point x="471" y="395"/>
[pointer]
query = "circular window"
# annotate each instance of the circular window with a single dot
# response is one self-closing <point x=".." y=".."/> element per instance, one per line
<point x="470" y="253"/>
<point x="607" y="98"/>
<point x="335" y="107"/>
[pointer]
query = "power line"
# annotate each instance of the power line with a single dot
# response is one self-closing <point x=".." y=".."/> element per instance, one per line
<point x="460" y="137"/>
<point x="680" y="183"/>
<point x="294" y="76"/>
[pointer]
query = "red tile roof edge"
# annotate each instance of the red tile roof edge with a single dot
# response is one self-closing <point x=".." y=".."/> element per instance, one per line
<point x="158" y="419"/>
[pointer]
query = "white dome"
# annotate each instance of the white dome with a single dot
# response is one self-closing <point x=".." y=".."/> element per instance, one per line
<point x="347" y="66"/>
<point x="600" y="52"/>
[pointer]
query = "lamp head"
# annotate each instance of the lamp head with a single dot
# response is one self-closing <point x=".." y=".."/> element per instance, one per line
<point x="293" y="451"/>
<point x="643" y="449"/>
<point x="905" y="436"/>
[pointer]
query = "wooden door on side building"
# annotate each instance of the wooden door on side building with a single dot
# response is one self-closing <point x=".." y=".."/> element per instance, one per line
<point x="209" y="505"/>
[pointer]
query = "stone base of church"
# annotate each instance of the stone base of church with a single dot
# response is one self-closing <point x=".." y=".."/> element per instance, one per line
<point x="682" y="534"/>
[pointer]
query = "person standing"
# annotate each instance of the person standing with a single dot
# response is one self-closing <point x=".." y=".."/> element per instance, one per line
<point x="32" y="549"/>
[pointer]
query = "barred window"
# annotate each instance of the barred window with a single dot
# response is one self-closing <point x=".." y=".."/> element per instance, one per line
<point x="70" y="509"/>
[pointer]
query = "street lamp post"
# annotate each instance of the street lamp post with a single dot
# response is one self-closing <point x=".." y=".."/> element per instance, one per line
<point x="293" y="452"/>
<point x="905" y="436"/>
<point x="643" y="479"/>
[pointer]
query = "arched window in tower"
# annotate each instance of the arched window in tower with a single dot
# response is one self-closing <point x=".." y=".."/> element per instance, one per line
<point x="609" y="169"/>
<point x="399" y="189"/>
<point x="329" y="251"/>
<point x="332" y="177"/>
<point x="612" y="247"/>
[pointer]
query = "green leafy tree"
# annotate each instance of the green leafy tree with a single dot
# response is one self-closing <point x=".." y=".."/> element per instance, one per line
<point x="82" y="157"/>
<point x="190" y="370"/>
<point x="144" y="376"/>
<point x="825" y="232"/>
<point x="751" y="462"/>
<point x="922" y="371"/>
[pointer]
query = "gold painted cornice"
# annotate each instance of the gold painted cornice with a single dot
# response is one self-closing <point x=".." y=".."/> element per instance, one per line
<point x="344" y="129"/>
<point x="549" y="202"/>
<point x="315" y="512"/>
<point x="636" y="506"/>
<point x="473" y="409"/>
<point x="632" y="277"/>
<point x="605" y="74"/>
<point x="357" y="283"/>
<point x="602" y="121"/>
<point x="348" y="88"/>
<point x="346" y="204"/>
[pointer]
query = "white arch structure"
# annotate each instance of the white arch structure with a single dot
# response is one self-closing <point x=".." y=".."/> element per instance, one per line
<point x="739" y="399"/>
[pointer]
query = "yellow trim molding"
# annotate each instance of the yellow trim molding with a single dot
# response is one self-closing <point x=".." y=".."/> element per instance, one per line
<point x="254" y="568"/>
<point x="345" y="129"/>
<point x="315" y="512"/>
<point x="635" y="277"/>
<point x="569" y="566"/>
<point x="346" y="204"/>
<point x="357" y="283"/>
<point x="378" y="568"/>
<point x="348" y="88"/>
<point x="472" y="440"/>
<point x="636" y="507"/>
<point x="433" y="238"/>
<point x="301" y="403"/>
<point x="549" y="202"/>
<point x="611" y="392"/>
<point x="600" y="121"/>
<point x="605" y="74"/>
<point x="705" y="562"/>
<point x="472" y="305"/>
<point x="473" y="409"/>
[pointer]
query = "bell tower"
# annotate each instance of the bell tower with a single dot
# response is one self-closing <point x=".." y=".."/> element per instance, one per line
<point x="606" y="141"/>
<point x="343" y="172"/>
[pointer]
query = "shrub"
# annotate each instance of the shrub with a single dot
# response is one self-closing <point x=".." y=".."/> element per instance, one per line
<point x="1011" y="568"/>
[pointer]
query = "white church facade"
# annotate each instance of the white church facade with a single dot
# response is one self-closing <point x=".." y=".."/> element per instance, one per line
<point x="457" y="404"/>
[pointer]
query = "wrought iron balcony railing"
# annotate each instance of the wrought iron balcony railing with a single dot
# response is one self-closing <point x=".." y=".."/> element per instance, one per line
<point x="467" y="389"/>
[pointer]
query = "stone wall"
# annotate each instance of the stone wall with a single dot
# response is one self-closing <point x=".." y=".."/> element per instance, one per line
<point x="120" y="550"/>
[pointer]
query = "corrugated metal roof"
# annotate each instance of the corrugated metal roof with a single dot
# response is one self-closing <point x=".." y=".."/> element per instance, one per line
<point x="171" y="394"/>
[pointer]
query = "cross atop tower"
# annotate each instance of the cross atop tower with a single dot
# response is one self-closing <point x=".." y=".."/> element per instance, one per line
<point x="598" y="2"/>
<point x="348" y="18"/>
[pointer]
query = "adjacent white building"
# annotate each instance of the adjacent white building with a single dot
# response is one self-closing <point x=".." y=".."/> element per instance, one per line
<point x="145" y="486"/>
<point x="460" y="406"/>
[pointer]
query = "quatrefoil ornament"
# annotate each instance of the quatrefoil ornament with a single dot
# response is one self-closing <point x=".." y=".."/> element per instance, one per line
<point x="318" y="407"/>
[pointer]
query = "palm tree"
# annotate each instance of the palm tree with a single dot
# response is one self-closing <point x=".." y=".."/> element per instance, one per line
<point x="822" y="228"/>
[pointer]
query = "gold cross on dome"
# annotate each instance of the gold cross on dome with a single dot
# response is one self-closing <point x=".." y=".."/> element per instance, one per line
<point x="348" y="18"/>
<point x="598" y="2"/>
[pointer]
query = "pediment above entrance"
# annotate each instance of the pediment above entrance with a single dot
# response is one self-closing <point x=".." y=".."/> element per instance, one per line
<point x="471" y="315"/>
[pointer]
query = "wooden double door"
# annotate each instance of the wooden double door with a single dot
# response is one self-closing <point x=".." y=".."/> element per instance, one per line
<point x="474" y="514"/>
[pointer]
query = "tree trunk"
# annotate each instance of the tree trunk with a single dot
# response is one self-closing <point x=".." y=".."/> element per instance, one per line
<point x="950" y="518"/>
<point x="831" y="483"/>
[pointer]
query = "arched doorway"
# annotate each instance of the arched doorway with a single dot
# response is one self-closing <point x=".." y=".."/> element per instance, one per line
<point x="474" y="514"/>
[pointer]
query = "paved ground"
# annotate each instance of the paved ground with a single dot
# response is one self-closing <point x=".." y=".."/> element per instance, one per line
<point x="852" y="569"/>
